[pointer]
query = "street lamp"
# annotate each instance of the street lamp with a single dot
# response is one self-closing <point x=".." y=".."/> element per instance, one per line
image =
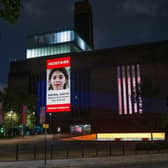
<point x="34" y="120"/>
<point x="34" y="113"/>
<point x="12" y="117"/>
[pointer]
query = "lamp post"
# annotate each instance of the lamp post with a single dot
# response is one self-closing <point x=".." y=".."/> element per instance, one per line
<point x="11" y="122"/>
<point x="50" y="119"/>
<point x="34" y="121"/>
<point x="34" y="118"/>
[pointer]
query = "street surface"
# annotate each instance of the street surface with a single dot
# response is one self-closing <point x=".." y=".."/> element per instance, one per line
<point x="30" y="139"/>
<point x="135" y="161"/>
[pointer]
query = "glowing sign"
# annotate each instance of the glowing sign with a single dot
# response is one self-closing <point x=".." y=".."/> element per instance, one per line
<point x="58" y="85"/>
<point x="137" y="136"/>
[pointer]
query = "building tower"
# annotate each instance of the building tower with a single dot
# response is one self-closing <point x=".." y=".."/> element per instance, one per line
<point x="83" y="22"/>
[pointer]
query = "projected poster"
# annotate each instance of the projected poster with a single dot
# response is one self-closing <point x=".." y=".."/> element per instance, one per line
<point x="58" y="85"/>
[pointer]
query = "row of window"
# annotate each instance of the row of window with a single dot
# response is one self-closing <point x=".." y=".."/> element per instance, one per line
<point x="45" y="51"/>
<point x="53" y="38"/>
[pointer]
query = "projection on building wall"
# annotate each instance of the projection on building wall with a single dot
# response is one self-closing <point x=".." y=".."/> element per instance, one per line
<point x="58" y="85"/>
<point x="129" y="90"/>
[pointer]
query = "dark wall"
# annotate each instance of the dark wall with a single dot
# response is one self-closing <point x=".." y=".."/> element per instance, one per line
<point x="94" y="82"/>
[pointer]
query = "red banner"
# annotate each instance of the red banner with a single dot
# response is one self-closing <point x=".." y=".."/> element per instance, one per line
<point x="42" y="115"/>
<point x="58" y="108"/>
<point x="58" y="63"/>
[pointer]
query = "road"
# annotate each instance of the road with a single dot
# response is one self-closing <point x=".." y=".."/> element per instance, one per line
<point x="160" y="164"/>
<point x="32" y="139"/>
<point x="136" y="161"/>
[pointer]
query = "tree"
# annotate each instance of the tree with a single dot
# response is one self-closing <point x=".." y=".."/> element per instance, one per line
<point x="13" y="101"/>
<point x="10" y="10"/>
<point x="12" y="108"/>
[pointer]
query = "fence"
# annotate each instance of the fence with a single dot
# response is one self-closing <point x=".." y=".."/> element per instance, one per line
<point x="75" y="149"/>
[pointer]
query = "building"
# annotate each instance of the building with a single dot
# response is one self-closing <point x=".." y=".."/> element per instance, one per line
<point x="45" y="44"/>
<point x="83" y="21"/>
<point x="119" y="89"/>
<point x="25" y="80"/>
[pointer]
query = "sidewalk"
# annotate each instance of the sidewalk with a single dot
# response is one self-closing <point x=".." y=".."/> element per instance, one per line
<point x="33" y="138"/>
<point x="87" y="162"/>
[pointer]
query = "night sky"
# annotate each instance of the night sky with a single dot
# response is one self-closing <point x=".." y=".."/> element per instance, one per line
<point x="116" y="23"/>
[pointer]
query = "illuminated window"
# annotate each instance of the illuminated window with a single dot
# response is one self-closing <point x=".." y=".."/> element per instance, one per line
<point x="61" y="40"/>
<point x="129" y="89"/>
<point x="55" y="38"/>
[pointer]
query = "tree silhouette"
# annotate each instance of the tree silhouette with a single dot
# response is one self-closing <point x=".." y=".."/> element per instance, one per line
<point x="10" y="10"/>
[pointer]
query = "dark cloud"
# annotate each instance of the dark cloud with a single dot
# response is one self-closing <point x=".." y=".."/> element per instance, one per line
<point x="38" y="8"/>
<point x="31" y="8"/>
<point x="2" y="86"/>
<point x="116" y="23"/>
<point x="144" y="7"/>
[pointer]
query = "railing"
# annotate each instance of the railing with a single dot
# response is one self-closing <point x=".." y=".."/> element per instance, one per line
<point x="75" y="149"/>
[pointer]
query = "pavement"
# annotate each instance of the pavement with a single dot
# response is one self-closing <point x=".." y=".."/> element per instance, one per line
<point x="31" y="139"/>
<point x="131" y="161"/>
